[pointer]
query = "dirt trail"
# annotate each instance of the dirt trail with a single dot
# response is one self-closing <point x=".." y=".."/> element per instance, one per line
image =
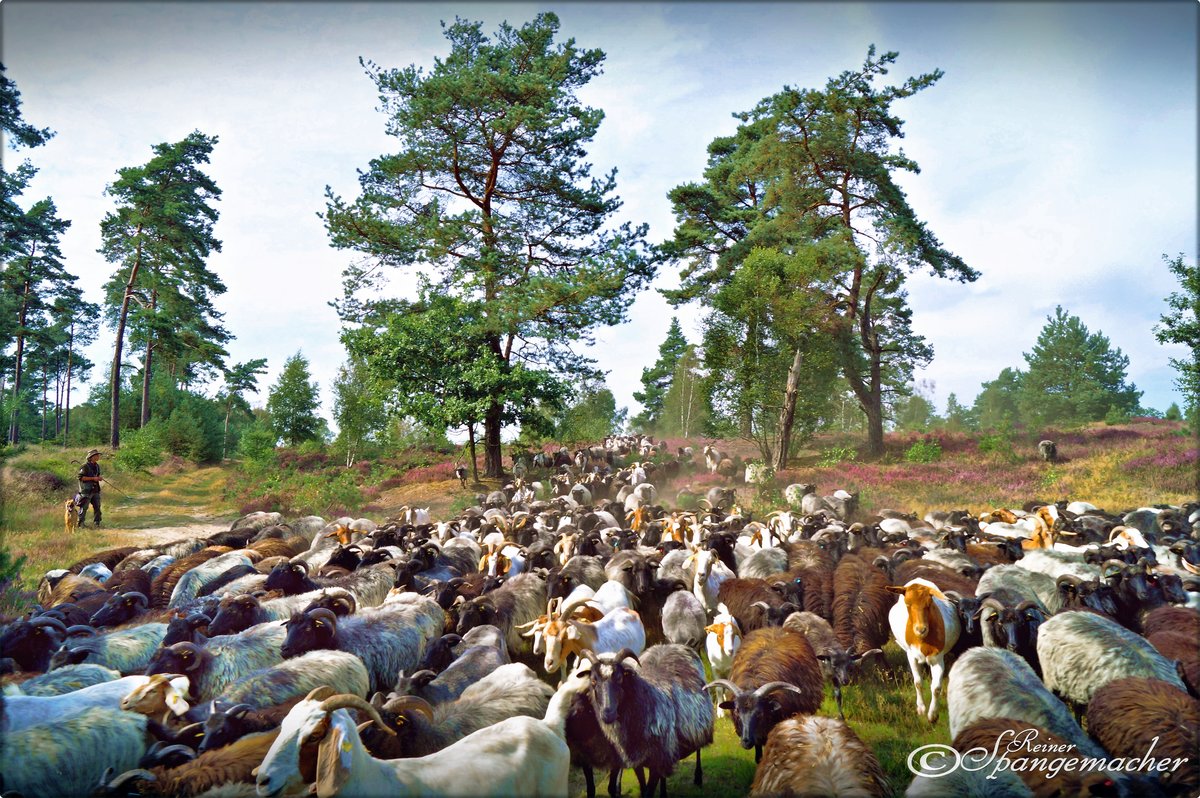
<point x="182" y="505"/>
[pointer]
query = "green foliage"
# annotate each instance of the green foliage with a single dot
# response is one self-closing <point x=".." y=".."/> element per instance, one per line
<point x="591" y="418"/>
<point x="959" y="418"/>
<point x="998" y="445"/>
<point x="996" y="404"/>
<point x="685" y="406"/>
<point x="1073" y="376"/>
<point x="924" y="451"/>
<point x="658" y="379"/>
<point x="837" y="454"/>
<point x="292" y="403"/>
<point x="1181" y="325"/>
<point x="257" y="444"/>
<point x="916" y="411"/>
<point x="193" y="430"/>
<point x="358" y="409"/>
<point x="503" y="215"/>
<point x="141" y="450"/>
<point x="1173" y="413"/>
<point x="1116" y="415"/>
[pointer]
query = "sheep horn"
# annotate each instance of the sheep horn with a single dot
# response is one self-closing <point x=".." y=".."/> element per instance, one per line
<point x="53" y="623"/>
<point x="319" y="693"/>
<point x="129" y="775"/>
<point x="321" y="612"/>
<point x="144" y="602"/>
<point x="626" y="653"/>
<point x="772" y="686"/>
<point x="81" y="629"/>
<point x="590" y="656"/>
<point x="415" y="703"/>
<point x="237" y="710"/>
<point x="303" y="565"/>
<point x="728" y="685"/>
<point x="351" y="701"/>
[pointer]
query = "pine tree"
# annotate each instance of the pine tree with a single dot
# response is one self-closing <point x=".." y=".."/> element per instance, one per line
<point x="293" y="402"/>
<point x="490" y="192"/>
<point x="1074" y="376"/>
<point x="1181" y="325"/>
<point x="240" y="378"/>
<point x="656" y="380"/>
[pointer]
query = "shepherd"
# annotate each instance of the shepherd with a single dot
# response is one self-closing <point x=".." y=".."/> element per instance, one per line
<point x="89" y="487"/>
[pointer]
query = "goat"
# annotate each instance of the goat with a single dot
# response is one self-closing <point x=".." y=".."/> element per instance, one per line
<point x="723" y="640"/>
<point x="925" y="625"/>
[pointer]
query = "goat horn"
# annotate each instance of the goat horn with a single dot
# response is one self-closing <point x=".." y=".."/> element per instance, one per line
<point x="129" y="775"/>
<point x="772" y="686"/>
<point x="728" y="685"/>
<point x="351" y="701"/>
<point x="590" y="656"/>
<point x="415" y="703"/>
<point x="319" y="693"/>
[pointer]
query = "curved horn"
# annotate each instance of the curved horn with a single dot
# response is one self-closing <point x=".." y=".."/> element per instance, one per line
<point x="728" y="685"/>
<point x="129" y="775"/>
<point x="590" y="656"/>
<point x="626" y="653"/>
<point x="1027" y="605"/>
<point x="143" y="601"/>
<point x="772" y="686"/>
<point x="81" y="629"/>
<point x="415" y="703"/>
<point x="301" y="563"/>
<point x="238" y="710"/>
<point x="53" y="623"/>
<point x="351" y="701"/>
<point x="321" y="612"/>
<point x="319" y="693"/>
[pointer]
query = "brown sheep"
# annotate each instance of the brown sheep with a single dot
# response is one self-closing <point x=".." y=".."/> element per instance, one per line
<point x="809" y="554"/>
<point x="232" y="764"/>
<point x="274" y="547"/>
<point x="164" y="583"/>
<point x="1172" y="619"/>
<point x="860" y="605"/>
<point x="1127" y="715"/>
<point x="945" y="578"/>
<point x="1181" y="646"/>
<point x="70" y="589"/>
<point x="741" y="596"/>
<point x="818" y="756"/>
<point x="110" y="558"/>
<point x="817" y="584"/>
<point x="1035" y="765"/>
<point x="131" y="579"/>
<point x="771" y="658"/>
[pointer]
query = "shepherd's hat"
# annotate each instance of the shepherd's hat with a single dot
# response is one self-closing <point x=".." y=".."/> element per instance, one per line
<point x="92" y="452"/>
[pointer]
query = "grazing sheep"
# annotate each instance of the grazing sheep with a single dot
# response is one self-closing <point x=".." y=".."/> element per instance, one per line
<point x="1081" y="652"/>
<point x="994" y="683"/>
<point x="1132" y="717"/>
<point x="817" y="756"/>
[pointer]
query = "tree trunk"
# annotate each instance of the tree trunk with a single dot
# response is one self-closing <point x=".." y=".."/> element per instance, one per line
<point x="225" y="436"/>
<point x="492" y="456"/>
<point x="14" y="429"/>
<point x="787" y="414"/>
<point x="67" y="401"/>
<point x="146" y="369"/>
<point x="115" y="379"/>
<point x="471" y="449"/>
<point x="45" y="385"/>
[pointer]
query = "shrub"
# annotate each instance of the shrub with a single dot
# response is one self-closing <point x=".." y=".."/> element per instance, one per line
<point x="837" y="454"/>
<point x="141" y="450"/>
<point x="927" y="451"/>
<point x="257" y="444"/>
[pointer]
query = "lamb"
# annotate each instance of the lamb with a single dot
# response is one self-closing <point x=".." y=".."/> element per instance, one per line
<point x="1131" y="717"/>
<point x="518" y="756"/>
<point x="994" y="683"/>
<point x="223" y="660"/>
<point x="387" y="639"/>
<point x="817" y="756"/>
<point x="421" y="728"/>
<point x="654" y="714"/>
<point x="1081" y="652"/>
<point x="769" y="660"/>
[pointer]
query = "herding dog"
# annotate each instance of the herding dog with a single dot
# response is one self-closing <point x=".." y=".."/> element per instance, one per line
<point x="71" y="514"/>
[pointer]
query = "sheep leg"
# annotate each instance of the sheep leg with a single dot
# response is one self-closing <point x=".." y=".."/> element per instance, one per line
<point x="915" y="667"/>
<point x="757" y="753"/>
<point x="614" y="782"/>
<point x="837" y="696"/>
<point x="698" y="778"/>
<point x="936" y="669"/>
<point x="590" y="780"/>
<point x="641" y="777"/>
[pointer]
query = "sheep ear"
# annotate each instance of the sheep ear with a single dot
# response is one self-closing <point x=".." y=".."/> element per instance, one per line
<point x="334" y="756"/>
<point x="895" y="589"/>
<point x="175" y="697"/>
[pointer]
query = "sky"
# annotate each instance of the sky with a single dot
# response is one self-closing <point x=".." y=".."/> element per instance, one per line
<point x="1057" y="153"/>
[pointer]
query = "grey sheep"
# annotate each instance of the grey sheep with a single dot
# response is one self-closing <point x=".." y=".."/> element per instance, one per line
<point x="25" y="711"/>
<point x="1080" y="652"/>
<point x="467" y="669"/>
<point x="683" y="620"/>
<point x="994" y="683"/>
<point x="1031" y="585"/>
<point x="125" y="650"/>
<point x="507" y="692"/>
<point x="291" y="678"/>
<point x="189" y="585"/>
<point x="67" y="679"/>
<point x="223" y="660"/>
<point x="763" y="563"/>
<point x="68" y="756"/>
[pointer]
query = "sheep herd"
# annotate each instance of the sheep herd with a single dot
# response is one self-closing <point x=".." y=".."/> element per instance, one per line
<point x="571" y="620"/>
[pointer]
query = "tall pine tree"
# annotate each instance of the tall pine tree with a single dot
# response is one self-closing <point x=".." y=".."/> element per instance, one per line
<point x="656" y="379"/>
<point x="293" y="402"/>
<point x="160" y="236"/>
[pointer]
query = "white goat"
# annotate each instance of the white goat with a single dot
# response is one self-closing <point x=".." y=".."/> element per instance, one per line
<point x="518" y="756"/>
<point x="710" y="573"/>
<point x="723" y="640"/>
